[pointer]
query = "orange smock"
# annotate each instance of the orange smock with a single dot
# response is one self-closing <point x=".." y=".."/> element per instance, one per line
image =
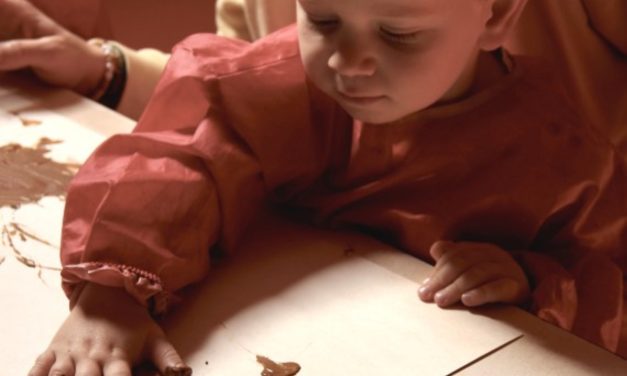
<point x="234" y="124"/>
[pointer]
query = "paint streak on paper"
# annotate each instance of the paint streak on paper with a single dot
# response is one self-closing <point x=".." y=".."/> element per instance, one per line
<point x="27" y="175"/>
<point x="272" y="368"/>
<point x="26" y="121"/>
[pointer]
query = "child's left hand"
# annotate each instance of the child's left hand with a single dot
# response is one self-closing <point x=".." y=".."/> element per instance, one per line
<point x="475" y="273"/>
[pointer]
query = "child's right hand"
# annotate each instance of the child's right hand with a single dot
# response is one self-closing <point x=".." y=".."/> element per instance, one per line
<point x="107" y="332"/>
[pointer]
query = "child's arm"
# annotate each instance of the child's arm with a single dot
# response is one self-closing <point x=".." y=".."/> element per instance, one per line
<point x="475" y="274"/>
<point x="145" y="210"/>
<point x="106" y="332"/>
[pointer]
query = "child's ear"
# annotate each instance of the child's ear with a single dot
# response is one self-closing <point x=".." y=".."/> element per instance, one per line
<point x="503" y="18"/>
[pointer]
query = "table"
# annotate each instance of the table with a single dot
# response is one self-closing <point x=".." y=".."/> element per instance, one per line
<point x="253" y="302"/>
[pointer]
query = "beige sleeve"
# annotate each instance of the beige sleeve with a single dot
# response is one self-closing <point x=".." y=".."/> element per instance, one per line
<point x="609" y="18"/>
<point x="231" y="20"/>
<point x="144" y="68"/>
<point x="243" y="19"/>
<point x="253" y="19"/>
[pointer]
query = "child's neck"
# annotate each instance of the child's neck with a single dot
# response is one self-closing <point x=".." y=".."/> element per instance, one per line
<point x="489" y="70"/>
<point x="483" y="72"/>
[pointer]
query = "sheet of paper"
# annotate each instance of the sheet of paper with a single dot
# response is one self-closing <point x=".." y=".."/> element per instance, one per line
<point x="69" y="144"/>
<point x="28" y="127"/>
<point x="307" y="296"/>
<point x="30" y="287"/>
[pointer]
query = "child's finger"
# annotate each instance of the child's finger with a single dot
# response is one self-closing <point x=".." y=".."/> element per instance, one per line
<point x="439" y="248"/>
<point x="63" y="365"/>
<point x="450" y="265"/>
<point x="42" y="364"/>
<point x="88" y="366"/>
<point x="440" y="278"/>
<point x="117" y="367"/>
<point x="474" y="276"/>
<point x="166" y="358"/>
<point x="504" y="290"/>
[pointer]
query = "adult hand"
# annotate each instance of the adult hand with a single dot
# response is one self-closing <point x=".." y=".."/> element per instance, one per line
<point x="30" y="39"/>
<point x="106" y="333"/>
<point x="475" y="274"/>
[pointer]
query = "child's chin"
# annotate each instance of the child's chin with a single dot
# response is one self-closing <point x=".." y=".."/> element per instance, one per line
<point x="373" y="117"/>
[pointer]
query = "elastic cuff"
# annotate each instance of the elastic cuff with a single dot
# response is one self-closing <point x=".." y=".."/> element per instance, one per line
<point x="144" y="286"/>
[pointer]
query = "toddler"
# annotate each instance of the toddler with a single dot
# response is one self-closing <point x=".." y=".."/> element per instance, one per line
<point x="401" y="118"/>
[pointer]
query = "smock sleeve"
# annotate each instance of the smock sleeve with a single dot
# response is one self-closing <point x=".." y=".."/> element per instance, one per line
<point x="577" y="269"/>
<point x="146" y="208"/>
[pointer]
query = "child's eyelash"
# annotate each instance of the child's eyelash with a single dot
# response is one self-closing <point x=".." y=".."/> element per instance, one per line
<point x="329" y="24"/>
<point x="401" y="37"/>
<point x="323" y="23"/>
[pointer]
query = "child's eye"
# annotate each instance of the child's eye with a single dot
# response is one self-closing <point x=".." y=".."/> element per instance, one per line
<point x="404" y="38"/>
<point x="323" y="24"/>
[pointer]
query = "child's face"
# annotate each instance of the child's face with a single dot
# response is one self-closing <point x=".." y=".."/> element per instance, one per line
<point x="384" y="59"/>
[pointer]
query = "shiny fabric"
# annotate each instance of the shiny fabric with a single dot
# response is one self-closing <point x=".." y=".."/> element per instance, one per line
<point x="584" y="40"/>
<point x="233" y="124"/>
<point x="586" y="43"/>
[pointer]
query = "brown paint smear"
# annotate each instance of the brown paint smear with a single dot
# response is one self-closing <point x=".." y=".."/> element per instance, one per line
<point x="27" y="175"/>
<point x="25" y="121"/>
<point x="272" y="368"/>
<point x="8" y="232"/>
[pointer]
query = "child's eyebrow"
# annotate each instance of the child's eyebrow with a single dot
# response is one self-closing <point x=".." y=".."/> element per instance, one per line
<point x="403" y="11"/>
<point x="415" y="9"/>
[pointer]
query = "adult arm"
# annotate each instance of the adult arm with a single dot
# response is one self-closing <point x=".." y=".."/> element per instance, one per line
<point x="253" y="19"/>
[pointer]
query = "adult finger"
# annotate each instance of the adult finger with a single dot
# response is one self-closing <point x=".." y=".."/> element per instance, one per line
<point x="24" y="53"/>
<point x="166" y="358"/>
<point x="42" y="364"/>
<point x="504" y="290"/>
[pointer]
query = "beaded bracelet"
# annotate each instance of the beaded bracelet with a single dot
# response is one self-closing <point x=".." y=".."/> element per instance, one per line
<point x="111" y="86"/>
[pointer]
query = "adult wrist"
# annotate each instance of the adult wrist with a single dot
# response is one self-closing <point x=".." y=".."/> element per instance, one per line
<point x="113" y="81"/>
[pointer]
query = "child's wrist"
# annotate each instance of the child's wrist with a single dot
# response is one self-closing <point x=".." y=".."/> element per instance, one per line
<point x="93" y="296"/>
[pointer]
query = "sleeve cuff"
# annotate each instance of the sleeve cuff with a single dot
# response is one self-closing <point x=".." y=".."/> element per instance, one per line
<point x="145" y="287"/>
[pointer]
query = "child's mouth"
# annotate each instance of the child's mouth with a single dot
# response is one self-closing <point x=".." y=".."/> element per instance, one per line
<point x="357" y="99"/>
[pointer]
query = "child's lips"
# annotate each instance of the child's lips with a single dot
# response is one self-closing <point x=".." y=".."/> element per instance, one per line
<point x="358" y="98"/>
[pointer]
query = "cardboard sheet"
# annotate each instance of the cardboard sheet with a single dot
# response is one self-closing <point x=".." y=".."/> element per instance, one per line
<point x="308" y="296"/>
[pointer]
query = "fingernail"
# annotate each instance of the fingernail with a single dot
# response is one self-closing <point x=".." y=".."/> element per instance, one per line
<point x="425" y="293"/>
<point x="440" y="299"/>
<point x="469" y="298"/>
<point x="178" y="370"/>
<point x="426" y="281"/>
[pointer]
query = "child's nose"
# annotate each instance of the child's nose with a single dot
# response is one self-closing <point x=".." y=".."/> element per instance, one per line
<point x="352" y="58"/>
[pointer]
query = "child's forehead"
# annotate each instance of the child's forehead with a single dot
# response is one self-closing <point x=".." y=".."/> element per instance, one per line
<point x="389" y="8"/>
<point x="381" y="4"/>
